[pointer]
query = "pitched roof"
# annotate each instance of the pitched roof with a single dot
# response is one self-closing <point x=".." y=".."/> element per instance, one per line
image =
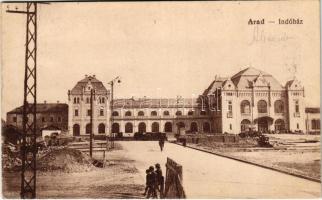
<point x="218" y="82"/>
<point x="98" y="86"/>
<point x="155" y="103"/>
<point x="244" y="79"/>
<point x="312" y="110"/>
<point x="44" y="108"/>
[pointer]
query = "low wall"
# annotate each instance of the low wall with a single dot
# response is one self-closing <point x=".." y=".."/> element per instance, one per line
<point x="196" y="139"/>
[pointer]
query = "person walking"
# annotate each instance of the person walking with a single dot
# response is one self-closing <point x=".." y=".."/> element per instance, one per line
<point x="161" y="142"/>
<point x="147" y="181"/>
<point x="152" y="183"/>
<point x="159" y="179"/>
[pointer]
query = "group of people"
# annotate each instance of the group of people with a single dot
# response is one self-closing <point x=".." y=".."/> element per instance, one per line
<point x="154" y="182"/>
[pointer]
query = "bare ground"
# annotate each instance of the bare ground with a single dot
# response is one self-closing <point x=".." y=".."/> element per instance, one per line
<point x="119" y="179"/>
<point x="298" y="154"/>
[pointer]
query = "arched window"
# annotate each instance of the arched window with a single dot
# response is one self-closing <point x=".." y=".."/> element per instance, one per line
<point x="194" y="127"/>
<point x="101" y="128"/>
<point x="87" y="100"/>
<point x="103" y="100"/>
<point x="155" y="127"/>
<point x="244" y="125"/>
<point x="76" y="130"/>
<point x="178" y="113"/>
<point x="203" y="112"/>
<point x="166" y="113"/>
<point x="279" y="106"/>
<point x="142" y="127"/>
<point x="115" y="113"/>
<point x="75" y="100"/>
<point x="279" y="125"/>
<point x="206" y="127"/>
<point x="128" y="127"/>
<point x="115" y="128"/>
<point x="262" y="106"/>
<point x="181" y="125"/>
<point x="154" y="113"/>
<point x="245" y="107"/>
<point x="168" y="127"/>
<point x="128" y="113"/>
<point x="190" y="112"/>
<point x="88" y="129"/>
<point x="140" y="113"/>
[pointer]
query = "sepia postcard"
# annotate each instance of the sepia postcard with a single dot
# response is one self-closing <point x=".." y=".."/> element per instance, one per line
<point x="160" y="99"/>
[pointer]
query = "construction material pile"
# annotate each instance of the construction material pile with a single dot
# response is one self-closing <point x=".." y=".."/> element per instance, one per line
<point x="10" y="157"/>
<point x="66" y="160"/>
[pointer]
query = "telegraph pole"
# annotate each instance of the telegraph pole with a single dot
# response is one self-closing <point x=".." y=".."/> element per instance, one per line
<point x="92" y="127"/>
<point x="112" y="107"/>
<point x="29" y="148"/>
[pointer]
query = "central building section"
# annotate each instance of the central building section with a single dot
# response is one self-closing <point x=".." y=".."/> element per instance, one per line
<point x="79" y="107"/>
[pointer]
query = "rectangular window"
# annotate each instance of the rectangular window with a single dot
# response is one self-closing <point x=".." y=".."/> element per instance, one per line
<point x="43" y="119"/>
<point x="297" y="107"/>
<point x="51" y="119"/>
<point x="230" y="126"/>
<point x="59" y="119"/>
<point x="14" y="119"/>
<point x="89" y="112"/>
<point x="76" y="112"/>
<point x="297" y="126"/>
<point x="230" y="107"/>
<point x="101" y="112"/>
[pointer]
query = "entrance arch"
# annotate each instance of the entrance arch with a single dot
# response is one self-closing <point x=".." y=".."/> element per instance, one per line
<point x="206" y="127"/>
<point x="142" y="127"/>
<point x="168" y="127"/>
<point x="76" y="130"/>
<point x="115" y="128"/>
<point x="244" y="125"/>
<point x="194" y="127"/>
<point x="101" y="128"/>
<point x="279" y="125"/>
<point x="263" y="125"/>
<point x="155" y="127"/>
<point x="129" y="127"/>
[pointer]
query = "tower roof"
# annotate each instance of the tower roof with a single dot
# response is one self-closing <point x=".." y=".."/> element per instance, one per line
<point x="97" y="85"/>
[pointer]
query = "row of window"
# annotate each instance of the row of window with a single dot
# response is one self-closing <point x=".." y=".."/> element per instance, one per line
<point x="261" y="107"/>
<point x="89" y="111"/>
<point x="100" y="100"/>
<point x="155" y="113"/>
<point x="43" y="119"/>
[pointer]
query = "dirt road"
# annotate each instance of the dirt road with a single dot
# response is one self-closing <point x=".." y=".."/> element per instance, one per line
<point x="209" y="176"/>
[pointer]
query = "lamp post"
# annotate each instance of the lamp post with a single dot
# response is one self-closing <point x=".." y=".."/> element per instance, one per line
<point x="115" y="80"/>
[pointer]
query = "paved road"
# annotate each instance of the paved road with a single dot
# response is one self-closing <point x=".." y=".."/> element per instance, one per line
<point x="209" y="176"/>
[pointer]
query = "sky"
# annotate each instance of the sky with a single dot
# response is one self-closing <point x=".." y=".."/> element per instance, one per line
<point x="160" y="49"/>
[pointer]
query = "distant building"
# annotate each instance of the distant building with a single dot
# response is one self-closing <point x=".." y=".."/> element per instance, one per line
<point x="79" y="107"/>
<point x="253" y="99"/>
<point x="312" y="120"/>
<point x="49" y="116"/>
<point x="250" y="99"/>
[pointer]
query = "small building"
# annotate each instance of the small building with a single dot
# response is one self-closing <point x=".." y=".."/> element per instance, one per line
<point x="312" y="120"/>
<point x="48" y="115"/>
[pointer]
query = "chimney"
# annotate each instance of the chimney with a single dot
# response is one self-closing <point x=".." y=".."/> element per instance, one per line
<point x="94" y="76"/>
<point x="86" y="76"/>
<point x="45" y="102"/>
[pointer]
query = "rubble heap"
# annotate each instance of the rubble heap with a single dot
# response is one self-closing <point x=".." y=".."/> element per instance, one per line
<point x="66" y="160"/>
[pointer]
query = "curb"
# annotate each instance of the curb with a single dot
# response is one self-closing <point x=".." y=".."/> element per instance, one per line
<point x="252" y="163"/>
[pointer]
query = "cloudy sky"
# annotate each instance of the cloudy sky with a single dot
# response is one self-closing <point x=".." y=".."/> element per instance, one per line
<point x="160" y="49"/>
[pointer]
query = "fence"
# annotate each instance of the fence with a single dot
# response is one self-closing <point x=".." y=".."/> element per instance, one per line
<point x="173" y="183"/>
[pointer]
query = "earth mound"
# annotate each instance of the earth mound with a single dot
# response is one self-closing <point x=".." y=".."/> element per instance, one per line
<point x="66" y="160"/>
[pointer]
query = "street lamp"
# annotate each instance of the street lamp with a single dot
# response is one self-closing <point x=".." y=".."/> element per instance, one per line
<point x="112" y="82"/>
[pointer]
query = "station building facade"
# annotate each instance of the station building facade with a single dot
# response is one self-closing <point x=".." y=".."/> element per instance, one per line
<point x="250" y="99"/>
<point x="253" y="99"/>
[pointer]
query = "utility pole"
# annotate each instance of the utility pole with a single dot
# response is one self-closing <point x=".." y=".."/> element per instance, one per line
<point x="92" y="127"/>
<point x="29" y="135"/>
<point x="112" y="107"/>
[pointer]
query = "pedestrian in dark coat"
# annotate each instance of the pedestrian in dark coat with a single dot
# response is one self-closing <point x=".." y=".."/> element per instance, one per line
<point x="160" y="179"/>
<point x="151" y="183"/>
